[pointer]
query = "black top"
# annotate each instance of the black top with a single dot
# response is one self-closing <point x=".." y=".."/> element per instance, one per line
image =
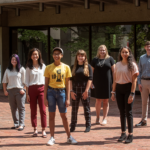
<point x="79" y="74"/>
<point x="102" y="78"/>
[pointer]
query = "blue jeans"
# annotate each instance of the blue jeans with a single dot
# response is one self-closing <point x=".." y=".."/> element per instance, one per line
<point x="56" y="96"/>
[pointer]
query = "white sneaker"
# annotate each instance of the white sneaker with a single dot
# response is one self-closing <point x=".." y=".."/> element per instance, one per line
<point x="71" y="140"/>
<point x="51" y="141"/>
<point x="104" y="122"/>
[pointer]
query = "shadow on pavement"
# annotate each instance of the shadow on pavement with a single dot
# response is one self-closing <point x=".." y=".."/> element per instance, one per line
<point x="21" y="145"/>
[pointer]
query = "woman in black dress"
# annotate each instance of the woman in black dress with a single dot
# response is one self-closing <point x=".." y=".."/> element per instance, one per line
<point x="103" y="67"/>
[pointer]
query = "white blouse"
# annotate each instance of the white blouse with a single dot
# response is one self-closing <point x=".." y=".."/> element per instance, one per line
<point x="35" y="76"/>
<point x="14" y="79"/>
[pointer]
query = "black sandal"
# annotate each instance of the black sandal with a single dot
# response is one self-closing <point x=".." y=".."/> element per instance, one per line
<point x="44" y="135"/>
<point x="35" y="134"/>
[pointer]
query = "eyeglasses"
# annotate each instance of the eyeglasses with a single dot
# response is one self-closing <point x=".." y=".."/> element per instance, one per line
<point x="56" y="54"/>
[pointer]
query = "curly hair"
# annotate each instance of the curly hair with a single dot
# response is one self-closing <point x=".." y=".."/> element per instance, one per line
<point x="130" y="58"/>
<point x="30" y="62"/>
<point x="86" y="69"/>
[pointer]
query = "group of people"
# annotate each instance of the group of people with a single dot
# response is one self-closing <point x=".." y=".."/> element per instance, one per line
<point x="54" y="85"/>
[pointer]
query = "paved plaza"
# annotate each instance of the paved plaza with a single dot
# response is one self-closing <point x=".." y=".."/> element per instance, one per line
<point x="100" y="137"/>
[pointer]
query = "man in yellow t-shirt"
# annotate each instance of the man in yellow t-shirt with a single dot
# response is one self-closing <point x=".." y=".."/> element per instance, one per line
<point x="57" y="91"/>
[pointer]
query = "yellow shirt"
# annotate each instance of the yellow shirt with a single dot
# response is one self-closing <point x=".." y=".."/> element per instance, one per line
<point x="57" y="75"/>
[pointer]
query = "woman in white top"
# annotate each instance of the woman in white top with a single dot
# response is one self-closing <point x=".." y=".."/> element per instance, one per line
<point x="13" y="86"/>
<point x="35" y="88"/>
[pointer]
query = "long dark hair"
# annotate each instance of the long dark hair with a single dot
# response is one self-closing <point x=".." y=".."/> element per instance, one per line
<point x="30" y="62"/>
<point x="18" y="66"/>
<point x="130" y="58"/>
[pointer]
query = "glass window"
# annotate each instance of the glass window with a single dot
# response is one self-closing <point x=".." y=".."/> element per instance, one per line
<point x="142" y="35"/>
<point x="23" y="40"/>
<point x="113" y="37"/>
<point x="70" y="39"/>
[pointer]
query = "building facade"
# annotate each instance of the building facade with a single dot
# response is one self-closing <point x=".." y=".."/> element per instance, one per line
<point x="72" y="25"/>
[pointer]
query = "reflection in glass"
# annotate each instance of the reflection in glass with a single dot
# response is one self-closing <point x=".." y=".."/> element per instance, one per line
<point x="113" y="37"/>
<point x="23" y="40"/>
<point x="142" y="35"/>
<point x="70" y="39"/>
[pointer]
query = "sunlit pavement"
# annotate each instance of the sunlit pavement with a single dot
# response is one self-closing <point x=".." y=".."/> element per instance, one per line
<point x="100" y="137"/>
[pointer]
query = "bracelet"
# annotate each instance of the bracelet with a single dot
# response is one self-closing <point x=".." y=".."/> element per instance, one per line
<point x="71" y="91"/>
<point x="23" y="90"/>
<point x="113" y="92"/>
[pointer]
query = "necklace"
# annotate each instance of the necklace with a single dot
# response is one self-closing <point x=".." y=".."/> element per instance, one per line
<point x="101" y="65"/>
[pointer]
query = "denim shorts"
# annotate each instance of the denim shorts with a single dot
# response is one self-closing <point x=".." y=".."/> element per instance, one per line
<point x="56" y="97"/>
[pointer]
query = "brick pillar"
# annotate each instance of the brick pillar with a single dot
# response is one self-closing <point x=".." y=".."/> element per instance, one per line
<point x="4" y="50"/>
<point x="0" y="57"/>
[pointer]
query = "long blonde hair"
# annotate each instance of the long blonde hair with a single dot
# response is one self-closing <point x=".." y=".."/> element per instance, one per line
<point x="102" y="46"/>
<point x="86" y="68"/>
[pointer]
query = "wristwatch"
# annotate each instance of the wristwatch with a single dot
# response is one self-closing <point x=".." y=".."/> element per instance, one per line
<point x="132" y="93"/>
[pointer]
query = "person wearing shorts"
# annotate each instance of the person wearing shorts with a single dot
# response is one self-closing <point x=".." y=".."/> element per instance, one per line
<point x="57" y="91"/>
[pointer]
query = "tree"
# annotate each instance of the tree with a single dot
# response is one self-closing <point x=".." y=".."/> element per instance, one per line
<point x="32" y="38"/>
<point x="100" y="35"/>
<point x="108" y="35"/>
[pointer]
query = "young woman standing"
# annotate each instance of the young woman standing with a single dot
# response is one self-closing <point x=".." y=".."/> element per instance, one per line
<point x="80" y="83"/>
<point x="35" y="88"/>
<point x="103" y="68"/>
<point x="14" y="79"/>
<point x="124" y="84"/>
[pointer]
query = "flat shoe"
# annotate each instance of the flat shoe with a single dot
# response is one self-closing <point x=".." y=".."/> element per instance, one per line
<point x="44" y="136"/>
<point x="104" y="122"/>
<point x="87" y="129"/>
<point x="35" y="134"/>
<point x="20" y="129"/>
<point x="140" y="124"/>
<point x="122" y="137"/>
<point x="72" y="129"/>
<point x="129" y="139"/>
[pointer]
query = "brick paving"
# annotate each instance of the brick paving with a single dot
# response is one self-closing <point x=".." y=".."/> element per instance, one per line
<point x="100" y="137"/>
